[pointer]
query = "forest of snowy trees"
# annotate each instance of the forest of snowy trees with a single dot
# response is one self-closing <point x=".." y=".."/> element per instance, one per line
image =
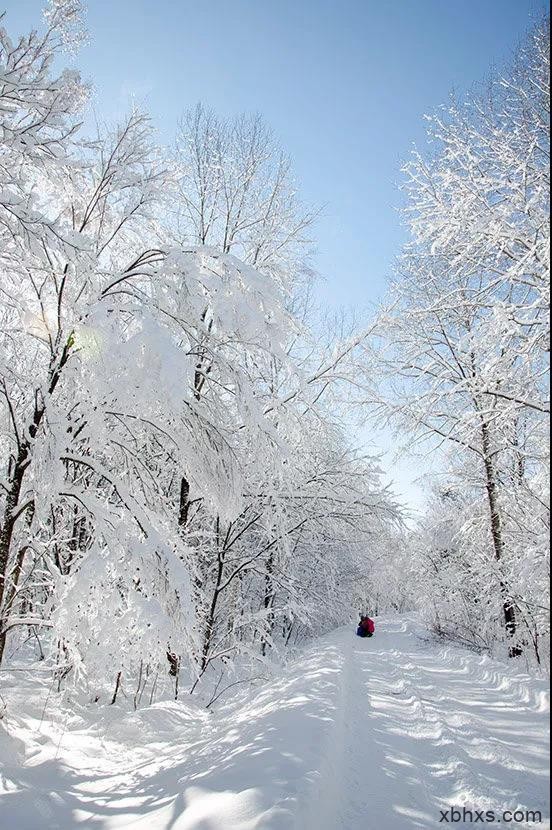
<point x="467" y="344"/>
<point x="181" y="493"/>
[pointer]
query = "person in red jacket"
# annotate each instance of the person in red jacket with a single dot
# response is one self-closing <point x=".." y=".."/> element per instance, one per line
<point x="366" y="626"/>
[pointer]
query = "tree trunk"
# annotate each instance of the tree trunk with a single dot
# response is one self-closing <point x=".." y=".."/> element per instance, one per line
<point x="117" y="684"/>
<point x="491" y="487"/>
<point x="9" y="597"/>
<point x="268" y="602"/>
<point x="6" y="533"/>
<point x="18" y="474"/>
<point x="210" y="622"/>
<point x="184" y="505"/>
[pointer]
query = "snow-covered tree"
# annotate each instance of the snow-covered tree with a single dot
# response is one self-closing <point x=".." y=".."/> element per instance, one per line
<point x="175" y="485"/>
<point x="468" y="335"/>
<point x="236" y="192"/>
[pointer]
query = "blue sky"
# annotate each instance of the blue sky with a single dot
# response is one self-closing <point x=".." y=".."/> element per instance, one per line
<point x="343" y="83"/>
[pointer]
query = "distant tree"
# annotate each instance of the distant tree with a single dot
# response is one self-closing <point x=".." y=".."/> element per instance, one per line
<point x="236" y="192"/>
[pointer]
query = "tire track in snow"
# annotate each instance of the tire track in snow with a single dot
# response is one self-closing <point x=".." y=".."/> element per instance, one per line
<point x="419" y="728"/>
<point x="320" y="813"/>
<point x="354" y="791"/>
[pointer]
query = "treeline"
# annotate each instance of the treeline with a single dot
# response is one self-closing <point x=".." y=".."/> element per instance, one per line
<point x="178" y="493"/>
<point x="466" y="358"/>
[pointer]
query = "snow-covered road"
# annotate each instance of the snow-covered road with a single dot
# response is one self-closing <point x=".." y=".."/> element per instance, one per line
<point x="377" y="734"/>
<point x="425" y="728"/>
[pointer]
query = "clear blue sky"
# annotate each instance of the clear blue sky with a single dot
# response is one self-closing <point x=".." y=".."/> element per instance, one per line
<point x="343" y="83"/>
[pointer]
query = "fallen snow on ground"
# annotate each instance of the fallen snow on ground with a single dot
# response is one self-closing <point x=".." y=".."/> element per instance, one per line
<point x="374" y="734"/>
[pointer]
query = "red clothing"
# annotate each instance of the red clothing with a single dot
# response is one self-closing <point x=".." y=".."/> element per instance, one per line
<point x="368" y="625"/>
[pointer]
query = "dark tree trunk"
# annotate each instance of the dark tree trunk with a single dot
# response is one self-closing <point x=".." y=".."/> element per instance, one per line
<point x="117" y="684"/>
<point x="268" y="602"/>
<point x="10" y="515"/>
<point x="210" y="622"/>
<point x="184" y="505"/>
<point x="510" y="622"/>
<point x="17" y="476"/>
<point x="6" y="537"/>
<point x="9" y="597"/>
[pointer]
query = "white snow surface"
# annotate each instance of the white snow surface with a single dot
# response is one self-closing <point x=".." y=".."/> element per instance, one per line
<point x="354" y="734"/>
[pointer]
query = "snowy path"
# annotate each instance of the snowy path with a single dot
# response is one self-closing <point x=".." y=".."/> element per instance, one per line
<point x="427" y="728"/>
<point x="358" y="734"/>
